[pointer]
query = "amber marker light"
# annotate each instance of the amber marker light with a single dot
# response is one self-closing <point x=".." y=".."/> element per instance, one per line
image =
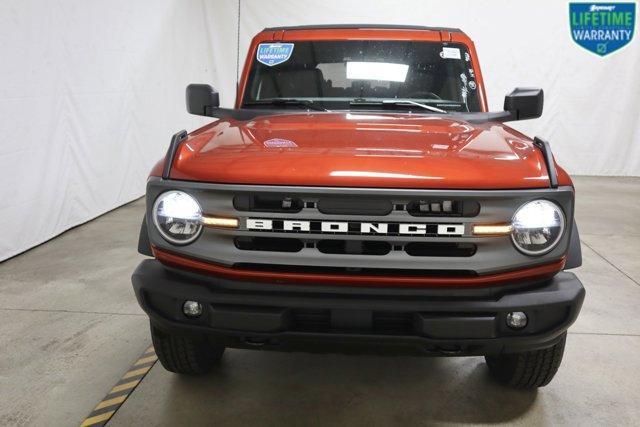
<point x="492" y="230"/>
<point x="220" y="222"/>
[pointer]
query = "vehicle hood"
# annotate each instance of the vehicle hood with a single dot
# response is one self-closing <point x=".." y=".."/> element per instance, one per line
<point x="361" y="150"/>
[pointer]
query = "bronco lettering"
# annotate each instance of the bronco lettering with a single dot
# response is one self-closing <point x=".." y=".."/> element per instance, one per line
<point x="354" y="227"/>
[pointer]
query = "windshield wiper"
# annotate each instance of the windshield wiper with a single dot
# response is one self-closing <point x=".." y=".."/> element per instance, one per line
<point x="288" y="101"/>
<point x="364" y="101"/>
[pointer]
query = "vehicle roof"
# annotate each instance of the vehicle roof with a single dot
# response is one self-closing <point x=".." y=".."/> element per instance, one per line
<point x="364" y="26"/>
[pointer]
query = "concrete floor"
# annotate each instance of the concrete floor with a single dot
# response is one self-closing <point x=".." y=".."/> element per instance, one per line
<point x="70" y="326"/>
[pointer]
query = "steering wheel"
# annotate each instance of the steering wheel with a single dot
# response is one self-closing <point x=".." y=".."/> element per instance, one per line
<point x="423" y="94"/>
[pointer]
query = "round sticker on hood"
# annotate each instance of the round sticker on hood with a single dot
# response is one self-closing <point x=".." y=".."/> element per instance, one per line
<point x="279" y="143"/>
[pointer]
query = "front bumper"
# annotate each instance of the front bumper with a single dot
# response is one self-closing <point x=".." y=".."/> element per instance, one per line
<point x="314" y="318"/>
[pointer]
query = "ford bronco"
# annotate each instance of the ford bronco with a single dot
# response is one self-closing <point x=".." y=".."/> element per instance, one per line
<point x="361" y="198"/>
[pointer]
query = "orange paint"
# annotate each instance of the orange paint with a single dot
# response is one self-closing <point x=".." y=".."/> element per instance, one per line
<point x="362" y="150"/>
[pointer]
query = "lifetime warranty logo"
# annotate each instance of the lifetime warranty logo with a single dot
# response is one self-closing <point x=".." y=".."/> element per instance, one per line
<point x="602" y="28"/>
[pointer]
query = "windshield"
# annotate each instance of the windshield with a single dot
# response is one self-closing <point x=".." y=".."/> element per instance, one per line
<point x="363" y="75"/>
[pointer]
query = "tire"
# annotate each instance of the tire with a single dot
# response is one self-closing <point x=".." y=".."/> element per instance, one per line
<point x="185" y="354"/>
<point x="527" y="370"/>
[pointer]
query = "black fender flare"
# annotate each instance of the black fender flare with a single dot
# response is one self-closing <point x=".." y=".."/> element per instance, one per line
<point x="574" y="254"/>
<point x="144" y="245"/>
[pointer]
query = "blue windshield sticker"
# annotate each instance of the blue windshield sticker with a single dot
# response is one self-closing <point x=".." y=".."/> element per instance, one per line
<point x="274" y="53"/>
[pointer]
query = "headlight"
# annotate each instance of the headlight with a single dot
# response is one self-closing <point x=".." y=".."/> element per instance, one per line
<point x="537" y="227"/>
<point x="178" y="217"/>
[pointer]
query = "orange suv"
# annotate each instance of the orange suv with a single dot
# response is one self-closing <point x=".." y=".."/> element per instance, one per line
<point x="360" y="197"/>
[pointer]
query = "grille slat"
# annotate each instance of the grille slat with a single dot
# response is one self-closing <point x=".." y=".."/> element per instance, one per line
<point x="353" y="247"/>
<point x="393" y="272"/>
<point x="268" y="203"/>
<point x="429" y="249"/>
<point x="342" y="205"/>
<point x="351" y="206"/>
<point x="270" y="244"/>
<point x="443" y="207"/>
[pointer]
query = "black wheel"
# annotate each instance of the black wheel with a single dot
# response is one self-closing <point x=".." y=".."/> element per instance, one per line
<point x="527" y="370"/>
<point x="185" y="354"/>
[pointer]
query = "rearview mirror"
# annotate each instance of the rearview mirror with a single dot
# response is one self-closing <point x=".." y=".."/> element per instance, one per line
<point x="202" y="99"/>
<point x="524" y="103"/>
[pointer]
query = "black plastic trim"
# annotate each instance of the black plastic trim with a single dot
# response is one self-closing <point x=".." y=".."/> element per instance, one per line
<point x="267" y="203"/>
<point x="244" y="114"/>
<point x="354" y="247"/>
<point x="462" y="324"/>
<point x="441" y="249"/>
<point x="351" y="206"/>
<point x="574" y="255"/>
<point x="272" y="244"/>
<point x="545" y="147"/>
<point x="176" y="139"/>
<point x="144" y="245"/>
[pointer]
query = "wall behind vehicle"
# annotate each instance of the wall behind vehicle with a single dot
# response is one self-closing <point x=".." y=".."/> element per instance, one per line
<point x="592" y="103"/>
<point x="90" y="94"/>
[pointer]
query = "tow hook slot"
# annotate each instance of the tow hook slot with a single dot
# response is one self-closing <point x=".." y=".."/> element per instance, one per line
<point x="444" y="351"/>
<point x="451" y="351"/>
<point x="255" y="341"/>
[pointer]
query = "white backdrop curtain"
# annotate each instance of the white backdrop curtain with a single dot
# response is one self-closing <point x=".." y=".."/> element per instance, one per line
<point x="90" y="94"/>
<point x="91" y="90"/>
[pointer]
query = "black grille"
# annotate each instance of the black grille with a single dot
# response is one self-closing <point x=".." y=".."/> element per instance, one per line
<point x="392" y="323"/>
<point x="351" y="206"/>
<point x="311" y="320"/>
<point x="443" y="207"/>
<point x="271" y="244"/>
<point x="353" y="247"/>
<point x="368" y="206"/>
<point x="383" y="322"/>
<point x="440" y="249"/>
<point x="267" y="203"/>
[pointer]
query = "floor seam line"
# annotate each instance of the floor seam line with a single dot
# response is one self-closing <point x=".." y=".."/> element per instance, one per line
<point x="610" y="263"/>
<point x="608" y="235"/>
<point x="604" y="334"/>
<point x="42" y="310"/>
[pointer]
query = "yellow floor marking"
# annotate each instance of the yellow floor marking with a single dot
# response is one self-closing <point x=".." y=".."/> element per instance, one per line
<point x="97" y="419"/>
<point x="111" y="402"/>
<point x="124" y="386"/>
<point x="146" y="360"/>
<point x="136" y="372"/>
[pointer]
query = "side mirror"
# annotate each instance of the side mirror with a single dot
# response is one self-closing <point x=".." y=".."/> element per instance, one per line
<point x="524" y="103"/>
<point x="202" y="99"/>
